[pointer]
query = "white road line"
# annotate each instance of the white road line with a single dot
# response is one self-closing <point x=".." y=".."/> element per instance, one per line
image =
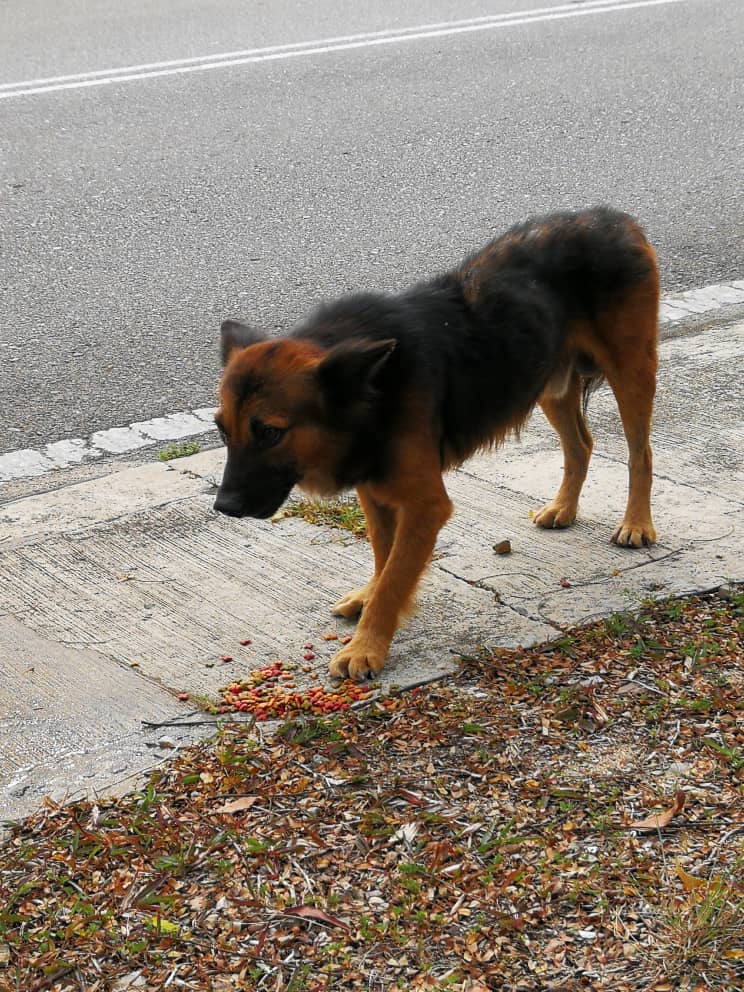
<point x="222" y="60"/>
<point x="28" y="463"/>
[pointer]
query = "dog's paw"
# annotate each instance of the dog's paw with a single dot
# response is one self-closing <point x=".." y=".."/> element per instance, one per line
<point x="352" y="604"/>
<point x="555" y="515"/>
<point x="634" y="534"/>
<point x="363" y="657"/>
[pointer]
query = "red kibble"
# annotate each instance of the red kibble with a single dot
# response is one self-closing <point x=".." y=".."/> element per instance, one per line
<point x="308" y="656"/>
<point x="271" y="691"/>
<point x="226" y="657"/>
<point x="244" y="643"/>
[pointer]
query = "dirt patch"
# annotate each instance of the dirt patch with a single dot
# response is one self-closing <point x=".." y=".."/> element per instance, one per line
<point x="565" y="817"/>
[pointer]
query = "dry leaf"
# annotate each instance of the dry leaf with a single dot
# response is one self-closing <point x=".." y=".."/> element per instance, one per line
<point x="407" y="833"/>
<point x="162" y="925"/>
<point x="129" y="983"/>
<point x="411" y="797"/>
<point x="659" y="820"/>
<point x="237" y="805"/>
<point x="311" y="913"/>
<point x="689" y="882"/>
<point x="600" y="712"/>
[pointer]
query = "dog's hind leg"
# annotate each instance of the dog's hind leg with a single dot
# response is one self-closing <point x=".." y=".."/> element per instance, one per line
<point x="634" y="389"/>
<point x="628" y="342"/>
<point x="381" y="530"/>
<point x="563" y="411"/>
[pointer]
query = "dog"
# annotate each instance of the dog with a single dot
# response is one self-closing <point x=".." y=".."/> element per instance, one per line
<point x="384" y="393"/>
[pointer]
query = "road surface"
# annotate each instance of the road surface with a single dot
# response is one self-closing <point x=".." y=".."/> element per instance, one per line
<point x="259" y="158"/>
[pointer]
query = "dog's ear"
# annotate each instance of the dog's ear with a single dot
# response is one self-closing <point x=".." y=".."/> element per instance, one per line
<point x="236" y="334"/>
<point x="352" y="366"/>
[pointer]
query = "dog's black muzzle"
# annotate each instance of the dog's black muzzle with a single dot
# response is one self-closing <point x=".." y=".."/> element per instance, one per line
<point x="250" y="488"/>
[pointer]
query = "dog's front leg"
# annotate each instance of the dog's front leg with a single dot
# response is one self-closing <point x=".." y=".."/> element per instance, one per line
<point x="418" y="520"/>
<point x="381" y="531"/>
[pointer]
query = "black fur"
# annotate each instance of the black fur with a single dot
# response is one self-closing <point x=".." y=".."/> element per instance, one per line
<point x="477" y="344"/>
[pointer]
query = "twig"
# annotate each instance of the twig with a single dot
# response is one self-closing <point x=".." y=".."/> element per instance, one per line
<point x="726" y="837"/>
<point x="648" y="688"/>
<point x="179" y="723"/>
<point x="396" y="690"/>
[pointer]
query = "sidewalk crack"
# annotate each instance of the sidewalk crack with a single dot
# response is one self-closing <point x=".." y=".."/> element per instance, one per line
<point x="496" y="596"/>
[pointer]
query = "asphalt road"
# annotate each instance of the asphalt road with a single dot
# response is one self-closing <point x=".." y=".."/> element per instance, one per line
<point x="135" y="215"/>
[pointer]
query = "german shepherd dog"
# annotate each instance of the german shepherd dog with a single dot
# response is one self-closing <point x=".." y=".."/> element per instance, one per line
<point x="385" y="393"/>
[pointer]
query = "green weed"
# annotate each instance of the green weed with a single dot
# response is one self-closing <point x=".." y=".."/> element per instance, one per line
<point x="179" y="451"/>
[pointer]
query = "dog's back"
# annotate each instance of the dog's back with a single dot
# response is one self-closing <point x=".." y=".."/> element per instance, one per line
<point x="587" y="260"/>
<point x="479" y="345"/>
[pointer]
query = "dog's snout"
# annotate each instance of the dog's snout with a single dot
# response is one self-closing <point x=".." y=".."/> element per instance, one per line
<point x="230" y="504"/>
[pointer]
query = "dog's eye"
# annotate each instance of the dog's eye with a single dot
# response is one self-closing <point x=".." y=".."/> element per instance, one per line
<point x="267" y="435"/>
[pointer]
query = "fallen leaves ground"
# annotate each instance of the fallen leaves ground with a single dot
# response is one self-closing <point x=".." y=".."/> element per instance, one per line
<point x="565" y="817"/>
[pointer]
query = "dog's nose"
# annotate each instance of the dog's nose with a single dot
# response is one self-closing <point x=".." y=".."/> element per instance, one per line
<point x="229" y="504"/>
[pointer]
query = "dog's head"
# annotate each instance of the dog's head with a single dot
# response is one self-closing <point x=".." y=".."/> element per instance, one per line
<point x="287" y="411"/>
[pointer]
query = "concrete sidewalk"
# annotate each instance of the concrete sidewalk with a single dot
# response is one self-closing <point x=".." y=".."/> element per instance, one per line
<point x="118" y="592"/>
